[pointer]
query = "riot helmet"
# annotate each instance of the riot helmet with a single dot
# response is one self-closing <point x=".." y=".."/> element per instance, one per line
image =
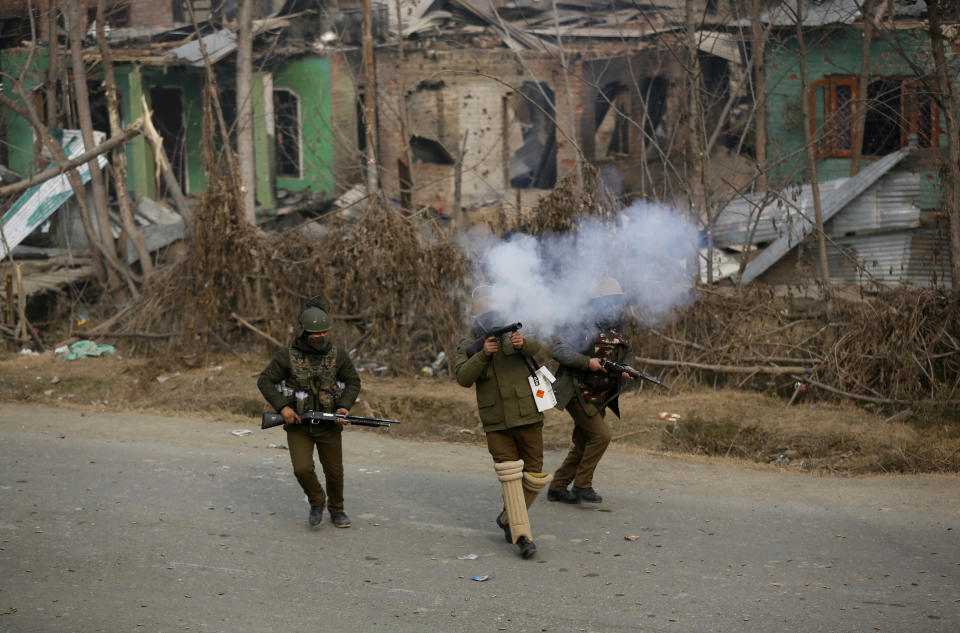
<point x="314" y="320"/>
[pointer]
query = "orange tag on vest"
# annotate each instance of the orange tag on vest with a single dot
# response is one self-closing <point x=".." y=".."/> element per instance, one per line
<point x="539" y="393"/>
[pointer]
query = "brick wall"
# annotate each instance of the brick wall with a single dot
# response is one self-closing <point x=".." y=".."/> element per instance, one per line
<point x="145" y="13"/>
<point x="452" y="95"/>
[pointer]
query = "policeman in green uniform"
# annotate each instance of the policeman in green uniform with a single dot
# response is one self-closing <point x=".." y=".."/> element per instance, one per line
<point x="313" y="375"/>
<point x="586" y="390"/>
<point x="513" y="426"/>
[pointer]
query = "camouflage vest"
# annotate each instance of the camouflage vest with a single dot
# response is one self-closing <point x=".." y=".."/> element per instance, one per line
<point x="597" y="387"/>
<point x="314" y="380"/>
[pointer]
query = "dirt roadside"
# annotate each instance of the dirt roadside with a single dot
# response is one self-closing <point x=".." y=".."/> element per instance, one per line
<point x="753" y="429"/>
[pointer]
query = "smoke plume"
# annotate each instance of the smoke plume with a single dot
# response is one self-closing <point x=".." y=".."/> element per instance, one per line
<point x="546" y="282"/>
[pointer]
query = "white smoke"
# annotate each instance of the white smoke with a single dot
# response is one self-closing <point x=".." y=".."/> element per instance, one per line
<point x="546" y="282"/>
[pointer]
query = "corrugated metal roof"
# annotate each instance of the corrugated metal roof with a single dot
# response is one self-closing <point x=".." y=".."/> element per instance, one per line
<point x="832" y="201"/>
<point x="826" y="12"/>
<point x="890" y="203"/>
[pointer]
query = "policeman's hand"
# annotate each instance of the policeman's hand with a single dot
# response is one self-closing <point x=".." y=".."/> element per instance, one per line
<point x="342" y="411"/>
<point x="491" y="345"/>
<point x="517" y="339"/>
<point x="289" y="415"/>
<point x="594" y="365"/>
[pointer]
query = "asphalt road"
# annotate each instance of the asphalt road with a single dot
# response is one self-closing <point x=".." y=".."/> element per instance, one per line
<point x="124" y="523"/>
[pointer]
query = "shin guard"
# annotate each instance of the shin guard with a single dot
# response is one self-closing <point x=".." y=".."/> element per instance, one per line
<point x="511" y="474"/>
<point x="533" y="483"/>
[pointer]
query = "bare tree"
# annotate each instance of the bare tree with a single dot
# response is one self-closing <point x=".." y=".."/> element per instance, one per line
<point x="951" y="110"/>
<point x="811" y="148"/>
<point x="119" y="155"/>
<point x="861" y="104"/>
<point x="245" y="158"/>
<point x="76" y="19"/>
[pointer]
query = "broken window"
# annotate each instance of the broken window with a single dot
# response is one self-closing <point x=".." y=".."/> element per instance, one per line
<point x="612" y="133"/>
<point x="896" y="110"/>
<point x="430" y="151"/>
<point x="653" y="91"/>
<point x="169" y="117"/>
<point x="287" y="125"/>
<point x="534" y="164"/>
<point x="427" y="109"/>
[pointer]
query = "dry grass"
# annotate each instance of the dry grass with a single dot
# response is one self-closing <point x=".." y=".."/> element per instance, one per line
<point x="737" y="425"/>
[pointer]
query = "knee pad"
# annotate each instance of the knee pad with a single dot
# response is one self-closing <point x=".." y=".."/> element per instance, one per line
<point x="533" y="483"/>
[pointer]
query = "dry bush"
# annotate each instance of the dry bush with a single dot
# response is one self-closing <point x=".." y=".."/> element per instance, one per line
<point x="899" y="347"/>
<point x="558" y="211"/>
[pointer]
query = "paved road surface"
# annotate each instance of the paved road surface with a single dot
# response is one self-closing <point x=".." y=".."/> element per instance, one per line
<point x="121" y="523"/>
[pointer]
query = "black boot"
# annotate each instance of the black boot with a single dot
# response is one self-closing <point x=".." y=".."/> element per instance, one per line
<point x="563" y="495"/>
<point x="340" y="519"/>
<point x="316" y="515"/>
<point x="504" y="526"/>
<point x="588" y="494"/>
<point x="527" y="547"/>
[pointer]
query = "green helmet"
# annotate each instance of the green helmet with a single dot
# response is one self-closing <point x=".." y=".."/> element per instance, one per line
<point x="314" y="320"/>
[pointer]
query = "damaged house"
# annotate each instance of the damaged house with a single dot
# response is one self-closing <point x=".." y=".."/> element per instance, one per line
<point x="880" y="188"/>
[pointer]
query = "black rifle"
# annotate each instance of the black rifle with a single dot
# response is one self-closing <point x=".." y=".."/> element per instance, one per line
<point x="270" y="420"/>
<point x="609" y="365"/>
<point x="496" y="332"/>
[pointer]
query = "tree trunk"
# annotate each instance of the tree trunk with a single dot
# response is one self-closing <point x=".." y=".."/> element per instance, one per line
<point x="759" y="33"/>
<point x="369" y="104"/>
<point x="811" y="146"/>
<point x="53" y="70"/>
<point x="405" y="183"/>
<point x="86" y="128"/>
<point x="860" y="114"/>
<point x="695" y="142"/>
<point x="951" y="110"/>
<point x="119" y="155"/>
<point x="245" y="158"/>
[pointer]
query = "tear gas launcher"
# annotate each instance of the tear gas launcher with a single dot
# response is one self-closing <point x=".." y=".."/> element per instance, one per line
<point x="270" y="420"/>
<point x="496" y="332"/>
<point x="609" y="365"/>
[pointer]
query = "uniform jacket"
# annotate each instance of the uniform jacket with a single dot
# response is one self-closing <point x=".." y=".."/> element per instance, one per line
<point x="573" y="351"/>
<point x="281" y="371"/>
<point x="504" y="398"/>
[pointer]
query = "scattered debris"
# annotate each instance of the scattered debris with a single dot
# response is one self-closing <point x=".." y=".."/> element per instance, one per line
<point x="241" y="432"/>
<point x="85" y="349"/>
<point x="631" y="537"/>
<point x="480" y="578"/>
<point x="166" y="377"/>
<point x="467" y="557"/>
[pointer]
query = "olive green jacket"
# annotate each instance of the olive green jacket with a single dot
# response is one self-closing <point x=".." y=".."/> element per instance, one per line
<point x="503" y="392"/>
<point x="280" y="370"/>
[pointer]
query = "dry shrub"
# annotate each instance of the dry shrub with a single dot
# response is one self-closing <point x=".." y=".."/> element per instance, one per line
<point x="393" y="285"/>
<point x="899" y="347"/>
<point x="558" y="211"/>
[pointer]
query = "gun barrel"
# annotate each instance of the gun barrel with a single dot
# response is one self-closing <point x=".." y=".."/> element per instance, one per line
<point x="269" y="420"/>
<point x="500" y="331"/>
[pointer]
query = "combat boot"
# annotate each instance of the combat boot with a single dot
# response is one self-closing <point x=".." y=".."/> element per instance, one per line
<point x="340" y="519"/>
<point x="563" y="495"/>
<point x="316" y="515"/>
<point x="527" y="547"/>
<point x="504" y="526"/>
<point x="588" y="494"/>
